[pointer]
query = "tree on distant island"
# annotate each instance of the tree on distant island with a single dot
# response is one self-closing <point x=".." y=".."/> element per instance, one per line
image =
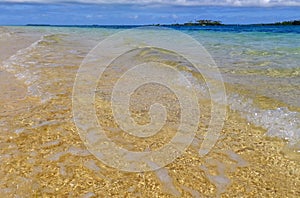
<point x="199" y="23"/>
<point x="208" y="22"/>
<point x="203" y="23"/>
<point x="295" y="22"/>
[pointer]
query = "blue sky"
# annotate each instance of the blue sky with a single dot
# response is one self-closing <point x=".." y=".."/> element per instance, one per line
<point x="121" y="12"/>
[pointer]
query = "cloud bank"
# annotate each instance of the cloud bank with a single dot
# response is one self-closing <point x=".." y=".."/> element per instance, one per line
<point x="236" y="3"/>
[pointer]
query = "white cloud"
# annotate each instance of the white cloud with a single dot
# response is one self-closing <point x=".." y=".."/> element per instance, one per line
<point x="174" y="16"/>
<point x="175" y="2"/>
<point x="134" y="17"/>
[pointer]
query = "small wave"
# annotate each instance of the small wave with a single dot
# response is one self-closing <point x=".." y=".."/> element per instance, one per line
<point x="280" y="122"/>
<point x="17" y="65"/>
<point x="4" y="33"/>
<point x="28" y="64"/>
<point x="51" y="39"/>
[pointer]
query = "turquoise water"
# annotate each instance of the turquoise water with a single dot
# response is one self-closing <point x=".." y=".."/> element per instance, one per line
<point x="262" y="61"/>
<point x="267" y="63"/>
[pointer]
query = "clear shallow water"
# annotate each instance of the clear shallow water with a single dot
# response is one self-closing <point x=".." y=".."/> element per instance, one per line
<point x="260" y="67"/>
<point x="262" y="62"/>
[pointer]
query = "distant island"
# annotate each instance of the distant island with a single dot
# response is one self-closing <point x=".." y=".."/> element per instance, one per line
<point x="200" y="23"/>
<point x="219" y="23"/>
<point x="296" y="22"/>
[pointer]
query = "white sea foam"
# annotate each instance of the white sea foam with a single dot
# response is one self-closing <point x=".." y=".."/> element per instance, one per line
<point x="20" y="67"/>
<point x="280" y="122"/>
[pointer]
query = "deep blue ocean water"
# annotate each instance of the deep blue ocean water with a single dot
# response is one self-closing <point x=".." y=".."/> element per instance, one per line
<point x="223" y="28"/>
